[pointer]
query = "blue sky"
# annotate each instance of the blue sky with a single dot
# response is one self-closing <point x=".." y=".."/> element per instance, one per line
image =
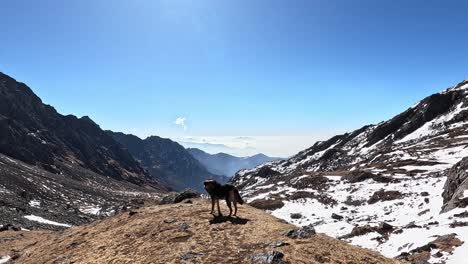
<point x="284" y="73"/>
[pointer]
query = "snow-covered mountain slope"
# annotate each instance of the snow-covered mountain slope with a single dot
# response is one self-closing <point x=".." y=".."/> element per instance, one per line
<point x="358" y="185"/>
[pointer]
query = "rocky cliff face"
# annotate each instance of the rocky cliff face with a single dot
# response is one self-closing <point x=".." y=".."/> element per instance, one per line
<point x="456" y="187"/>
<point x="35" y="133"/>
<point x="168" y="161"/>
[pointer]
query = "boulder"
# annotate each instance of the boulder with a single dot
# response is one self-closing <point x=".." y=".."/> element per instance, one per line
<point x="267" y="204"/>
<point x="360" y="176"/>
<point x="337" y="216"/>
<point x="301" y="233"/>
<point x="270" y="257"/>
<point x="446" y="243"/>
<point x="174" y="197"/>
<point x="296" y="216"/>
<point x="383" y="195"/>
<point x="455" y="186"/>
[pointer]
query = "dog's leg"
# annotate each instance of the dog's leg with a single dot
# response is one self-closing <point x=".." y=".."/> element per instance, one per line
<point x="212" y="205"/>
<point x="235" y="207"/>
<point x="219" y="209"/>
<point x="229" y="205"/>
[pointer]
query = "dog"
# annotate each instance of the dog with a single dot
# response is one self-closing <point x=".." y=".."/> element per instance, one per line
<point x="227" y="192"/>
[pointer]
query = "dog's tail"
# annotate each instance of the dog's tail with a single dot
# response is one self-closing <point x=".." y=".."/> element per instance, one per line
<point x="238" y="197"/>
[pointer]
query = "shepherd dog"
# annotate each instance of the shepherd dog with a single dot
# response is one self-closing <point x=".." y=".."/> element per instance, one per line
<point x="226" y="191"/>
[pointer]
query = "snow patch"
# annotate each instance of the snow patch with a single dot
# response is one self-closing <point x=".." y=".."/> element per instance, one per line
<point x="4" y="259"/>
<point x="35" y="203"/>
<point x="93" y="210"/>
<point x="39" y="219"/>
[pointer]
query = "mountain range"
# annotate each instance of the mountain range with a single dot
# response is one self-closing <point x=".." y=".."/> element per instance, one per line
<point x="228" y="165"/>
<point x="168" y="161"/>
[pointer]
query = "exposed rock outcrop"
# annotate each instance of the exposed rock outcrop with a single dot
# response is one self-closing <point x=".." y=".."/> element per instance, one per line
<point x="455" y="186"/>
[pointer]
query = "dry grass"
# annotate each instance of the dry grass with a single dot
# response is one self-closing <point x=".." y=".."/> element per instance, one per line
<point x="162" y="234"/>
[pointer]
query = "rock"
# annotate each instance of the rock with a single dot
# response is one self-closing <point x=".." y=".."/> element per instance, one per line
<point x="383" y="195"/>
<point x="424" y="212"/>
<point x="337" y="217"/>
<point x="446" y="243"/>
<point x="296" y="216"/>
<point x="424" y="194"/>
<point x="412" y="225"/>
<point x="191" y="255"/>
<point x="9" y="227"/>
<point x="186" y="194"/>
<point x="270" y="257"/>
<point x="462" y="215"/>
<point x="321" y="197"/>
<point x="360" y="176"/>
<point x="385" y="228"/>
<point x="456" y="184"/>
<point x="458" y="224"/>
<point x="350" y="201"/>
<point x="359" y="231"/>
<point x="131" y="213"/>
<point x="266" y="171"/>
<point x="168" y="198"/>
<point x="170" y="220"/>
<point x="183" y="227"/>
<point x="301" y="233"/>
<point x="173" y="197"/>
<point x="276" y="244"/>
<point x="267" y="204"/>
<point x="313" y="182"/>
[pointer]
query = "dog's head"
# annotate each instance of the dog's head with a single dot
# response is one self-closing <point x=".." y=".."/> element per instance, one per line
<point x="210" y="184"/>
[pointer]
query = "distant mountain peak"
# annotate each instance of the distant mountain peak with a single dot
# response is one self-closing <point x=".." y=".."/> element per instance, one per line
<point x="226" y="164"/>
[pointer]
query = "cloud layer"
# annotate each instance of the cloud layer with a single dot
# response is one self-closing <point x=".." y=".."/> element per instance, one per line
<point x="180" y="121"/>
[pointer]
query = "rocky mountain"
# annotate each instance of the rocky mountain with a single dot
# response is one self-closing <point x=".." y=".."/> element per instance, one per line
<point x="380" y="186"/>
<point x="60" y="167"/>
<point x="168" y="161"/>
<point x="183" y="233"/>
<point x="35" y="133"/>
<point x="228" y="165"/>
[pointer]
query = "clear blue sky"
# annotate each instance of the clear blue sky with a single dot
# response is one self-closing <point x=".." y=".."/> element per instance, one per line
<point x="234" y="68"/>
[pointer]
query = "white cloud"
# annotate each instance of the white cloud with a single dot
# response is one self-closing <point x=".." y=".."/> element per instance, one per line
<point x="180" y="121"/>
<point x="276" y="146"/>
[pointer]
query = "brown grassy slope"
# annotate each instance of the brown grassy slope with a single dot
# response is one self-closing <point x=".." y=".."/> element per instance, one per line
<point x="162" y="234"/>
